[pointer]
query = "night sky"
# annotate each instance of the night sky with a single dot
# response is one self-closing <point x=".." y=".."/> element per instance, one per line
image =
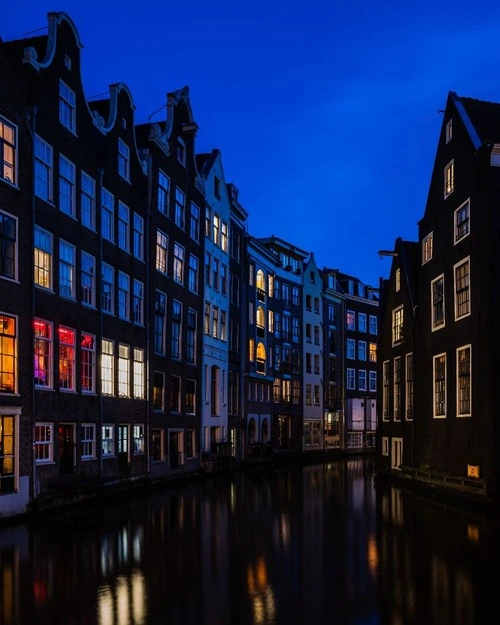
<point x="326" y="112"/>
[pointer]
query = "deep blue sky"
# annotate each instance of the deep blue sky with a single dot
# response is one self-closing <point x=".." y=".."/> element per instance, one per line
<point x="326" y="111"/>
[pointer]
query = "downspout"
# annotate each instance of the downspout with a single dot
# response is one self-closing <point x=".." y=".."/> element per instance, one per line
<point x="147" y="298"/>
<point x="100" y="171"/>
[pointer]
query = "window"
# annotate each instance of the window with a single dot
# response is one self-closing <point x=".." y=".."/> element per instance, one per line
<point x="8" y="151"/>
<point x="67" y="359"/>
<point x="223" y="279"/>
<point x="295" y="296"/>
<point x="207" y="319"/>
<point x="139" y="440"/>
<point x="181" y="151"/>
<point x="158" y="390"/>
<point x="437" y="294"/>
<point x="373" y="324"/>
<point x="362" y="380"/>
<point x="308" y="302"/>
<point x="43" y="258"/>
<point x="67" y="62"/>
<point x="123" y="227"/>
<point x="251" y="350"/>
<point x="108" y="439"/>
<point x="163" y="193"/>
<point x="362" y="322"/>
<point x="386" y="391"/>
<point x="449" y="178"/>
<point x="67" y="259"/>
<point x="161" y="251"/>
<point x="372" y="347"/>
<point x="427" y="245"/>
<point x="373" y="381"/>
<point x="351" y="379"/>
<point x="190" y="401"/>
<point x="223" y="236"/>
<point x="138" y="237"/>
<point x="316" y="394"/>
<point x="107" y="216"/>
<point x="295" y="330"/>
<point x="43" y="169"/>
<point x="138" y="373"/>
<point x="223" y="326"/>
<point x="351" y="320"/>
<point x="176" y="329"/>
<point x="464" y="381"/>
<point x="462" y="289"/>
<point x="449" y="131"/>
<point x="108" y="289"/>
<point x="123" y="296"/>
<point x="217" y="187"/>
<point x="175" y="393"/>
<point x="157" y="452"/>
<point x="67" y="110"/>
<point x="361" y="350"/>
<point x="215" y="322"/>
<point x="138" y="303"/>
<point x="397" y="280"/>
<point x="316" y="309"/>
<point x="439" y="370"/>
<point x="397" y="325"/>
<point x="207" y="268"/>
<point x="178" y="268"/>
<point x="88" y="440"/>
<point x="44" y="443"/>
<point x="216" y="228"/>
<point x="87" y="362"/>
<point x="43" y="366"/>
<point x="191" y="336"/>
<point x="180" y="209"/>
<point x="8" y="354"/>
<point x="409" y="387"/>
<point x="397" y="389"/>
<point x="8" y="245"/>
<point x="462" y="221"/>
<point x="351" y="349"/>
<point x="316" y="364"/>
<point x="87" y="201"/>
<point x="160" y="322"/>
<point x="107" y="367"/>
<point x="215" y="274"/>
<point x="123" y="160"/>
<point x="194" y="227"/>
<point x="123" y="370"/>
<point x="215" y="391"/>
<point x="208" y="222"/>
<point x="67" y="177"/>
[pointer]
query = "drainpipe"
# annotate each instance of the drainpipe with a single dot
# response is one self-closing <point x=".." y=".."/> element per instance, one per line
<point x="147" y="308"/>
<point x="100" y="171"/>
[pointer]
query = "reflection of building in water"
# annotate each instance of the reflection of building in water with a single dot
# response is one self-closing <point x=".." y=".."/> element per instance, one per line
<point x="124" y="602"/>
<point x="261" y="593"/>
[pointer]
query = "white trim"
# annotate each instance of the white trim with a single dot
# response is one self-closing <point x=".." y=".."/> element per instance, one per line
<point x="449" y="167"/>
<point x="459" y="349"/>
<point x="437" y="326"/>
<point x="434" y="415"/>
<point x="426" y="254"/>
<point x="455" y="235"/>
<point x="455" y="267"/>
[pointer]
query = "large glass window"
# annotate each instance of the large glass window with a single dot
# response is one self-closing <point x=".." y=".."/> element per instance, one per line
<point x="437" y="286"/>
<point x="397" y="389"/>
<point x="67" y="358"/>
<point x="178" y="269"/>
<point x="88" y="279"/>
<point x="87" y="361"/>
<point x="176" y="329"/>
<point x="351" y="320"/>
<point x="108" y="439"/>
<point x="194" y="228"/>
<point x="123" y="370"/>
<point x="191" y="336"/>
<point x="67" y="254"/>
<point x="123" y="295"/>
<point x="193" y="273"/>
<point x="397" y="325"/>
<point x="138" y="237"/>
<point x="138" y="373"/>
<point x="107" y="367"/>
<point x="8" y="353"/>
<point x="123" y="227"/>
<point x="44" y="443"/>
<point x="67" y="178"/>
<point x="409" y="387"/>
<point x="43" y="365"/>
<point x="161" y="251"/>
<point x="163" y="193"/>
<point x="88" y="441"/>
<point x="462" y="289"/>
<point x="107" y="215"/>
<point x="123" y="160"/>
<point x="87" y="201"/>
<point x="160" y="321"/>
<point x="43" y="258"/>
<point x="108" y="289"/>
<point x="138" y="303"/>
<point x="43" y="170"/>
<point x="439" y="363"/>
<point x="7" y="456"/>
<point x="464" y="381"/>
<point x="180" y="209"/>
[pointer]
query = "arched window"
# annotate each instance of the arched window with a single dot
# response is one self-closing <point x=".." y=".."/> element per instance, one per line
<point x="260" y="281"/>
<point x="261" y="358"/>
<point x="261" y="322"/>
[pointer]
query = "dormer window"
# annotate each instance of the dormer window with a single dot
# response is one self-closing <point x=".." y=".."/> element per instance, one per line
<point x="449" y="131"/>
<point x="181" y="151"/>
<point x="462" y="221"/>
<point x="449" y="179"/>
<point x="67" y="62"/>
<point x="123" y="160"/>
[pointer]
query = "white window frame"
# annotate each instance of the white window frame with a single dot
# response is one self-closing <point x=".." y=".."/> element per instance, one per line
<point x="138" y="237"/>
<point x="351" y="379"/>
<point x="194" y="228"/>
<point x="8" y="152"/>
<point x="88" y="441"/>
<point x="108" y="278"/>
<point x="464" y="261"/>
<point x="460" y="236"/>
<point x="44" y="162"/>
<point x="138" y="303"/>
<point x="427" y="247"/>
<point x="351" y="349"/>
<point x="123" y="370"/>
<point x="108" y="440"/>
<point x="49" y="368"/>
<point x="138" y="373"/>
<point x="373" y="325"/>
<point x="88" y="279"/>
<point x="163" y="197"/>
<point x="179" y="255"/>
<point x="372" y="381"/>
<point x="123" y="160"/>
<point x="67" y="186"/>
<point x="362" y="350"/>
<point x="397" y="336"/>
<point x="44" y="259"/>
<point x="87" y="201"/>
<point x="449" y="178"/>
<point x="139" y="439"/>
<point x="107" y="367"/>
<point x="67" y="270"/>
<point x="123" y="227"/>
<point x="87" y="364"/>
<point x="161" y="252"/>
<point x="107" y="215"/>
<point x="350" y="320"/>
<point x="362" y="379"/>
<point x="9" y="243"/>
<point x="461" y="349"/>
<point x="180" y="208"/>
<point x="434" y="359"/>
<point x="48" y="442"/>
<point x="123" y="296"/>
<point x="67" y="107"/>
<point x="437" y="325"/>
<point x="361" y="319"/>
<point x="193" y="277"/>
<point x="449" y="131"/>
<point x="385" y="445"/>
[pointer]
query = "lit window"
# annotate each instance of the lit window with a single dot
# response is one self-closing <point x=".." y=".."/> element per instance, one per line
<point x="180" y="209"/>
<point x="139" y="440"/>
<point x="462" y="221"/>
<point x="270" y="286"/>
<point x="67" y="359"/>
<point x="88" y="360"/>
<point x="194" y="228"/>
<point x="107" y="367"/>
<point x="8" y="151"/>
<point x="43" y="258"/>
<point x="397" y="389"/>
<point x="107" y="215"/>
<point x="138" y="373"/>
<point x="223" y="324"/>
<point x="251" y="350"/>
<point x="67" y="176"/>
<point x="439" y="369"/>
<point x="373" y="352"/>
<point x="67" y="107"/>
<point x="449" y="179"/>
<point x="87" y="201"/>
<point x="216" y="229"/>
<point x="44" y="443"/>
<point x="138" y="303"/>
<point x="161" y="251"/>
<point x="351" y="320"/>
<point x="138" y="237"/>
<point x="397" y="325"/>
<point x="437" y="294"/>
<point x="67" y="270"/>
<point x="190" y="396"/>
<point x="178" y="268"/>
<point x="9" y="465"/>
<point x="464" y="381"/>
<point x="163" y="193"/>
<point x="43" y="365"/>
<point x="108" y="439"/>
<point x="123" y="160"/>
<point x="215" y="322"/>
<point x="88" y="441"/>
<point x="427" y="243"/>
<point x="123" y="296"/>
<point x="398" y="279"/>
<point x="462" y="289"/>
<point x="207" y="319"/>
<point x="8" y="354"/>
<point x="123" y="370"/>
<point x="88" y="279"/>
<point x="8" y="246"/>
<point x="223" y="237"/>
<point x="108" y="289"/>
<point x="43" y="169"/>
<point x="123" y="227"/>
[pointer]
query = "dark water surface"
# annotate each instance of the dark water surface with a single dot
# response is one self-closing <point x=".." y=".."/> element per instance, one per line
<point x="290" y="545"/>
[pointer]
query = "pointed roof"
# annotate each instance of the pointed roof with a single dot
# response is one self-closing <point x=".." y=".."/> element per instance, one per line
<point x="480" y="117"/>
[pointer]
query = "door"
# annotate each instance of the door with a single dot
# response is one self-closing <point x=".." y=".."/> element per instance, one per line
<point x="66" y="449"/>
<point x="123" y="450"/>
<point x="175" y="450"/>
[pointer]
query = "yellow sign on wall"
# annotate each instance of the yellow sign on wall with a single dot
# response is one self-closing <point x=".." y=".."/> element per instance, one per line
<point x="472" y="470"/>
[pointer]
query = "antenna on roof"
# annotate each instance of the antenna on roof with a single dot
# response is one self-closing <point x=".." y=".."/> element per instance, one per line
<point x="37" y="30"/>
<point x="157" y="111"/>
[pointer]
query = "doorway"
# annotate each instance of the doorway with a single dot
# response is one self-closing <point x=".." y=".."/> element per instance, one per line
<point x="66" y="449"/>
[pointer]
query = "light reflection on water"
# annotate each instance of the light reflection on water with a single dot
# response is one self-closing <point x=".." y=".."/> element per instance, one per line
<point x="297" y="545"/>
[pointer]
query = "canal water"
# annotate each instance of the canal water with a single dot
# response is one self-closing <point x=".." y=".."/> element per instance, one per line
<point x="314" y="544"/>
